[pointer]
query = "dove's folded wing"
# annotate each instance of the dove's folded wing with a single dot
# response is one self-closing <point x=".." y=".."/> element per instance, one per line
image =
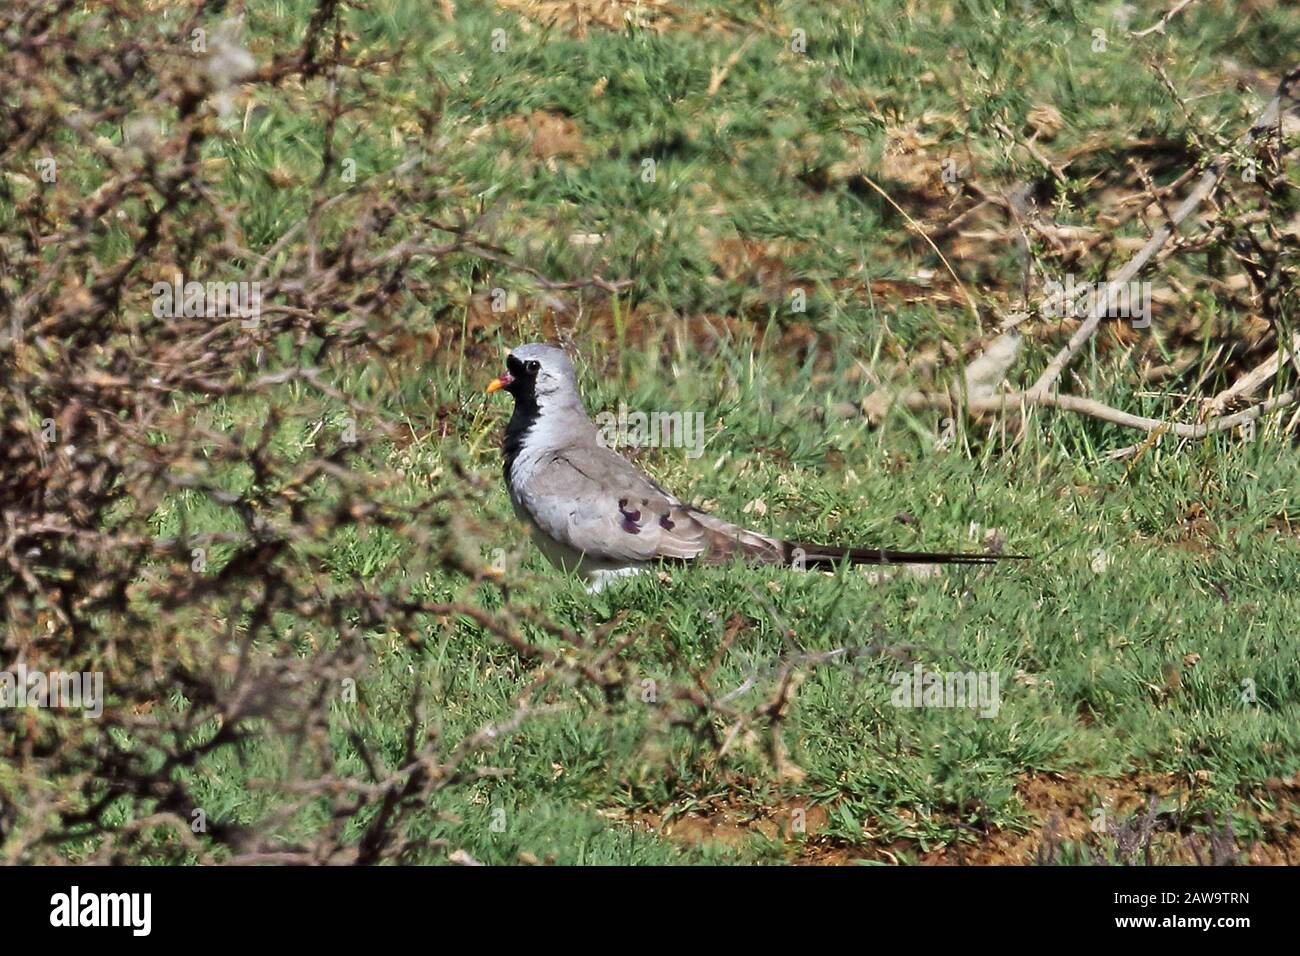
<point x="597" y="502"/>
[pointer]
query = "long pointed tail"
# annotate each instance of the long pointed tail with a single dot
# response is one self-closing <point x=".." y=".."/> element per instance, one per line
<point x="729" y="540"/>
<point x="820" y="556"/>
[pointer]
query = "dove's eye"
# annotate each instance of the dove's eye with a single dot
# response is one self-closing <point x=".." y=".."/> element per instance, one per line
<point x="533" y="367"/>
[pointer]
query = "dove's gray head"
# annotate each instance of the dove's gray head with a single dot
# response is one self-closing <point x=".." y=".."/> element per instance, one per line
<point x="548" y="407"/>
<point x="537" y="372"/>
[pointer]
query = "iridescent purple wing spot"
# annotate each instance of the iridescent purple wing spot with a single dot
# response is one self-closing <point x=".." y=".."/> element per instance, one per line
<point x="631" y="518"/>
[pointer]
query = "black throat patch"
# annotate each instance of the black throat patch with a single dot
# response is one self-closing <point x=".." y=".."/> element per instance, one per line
<point x="521" y="422"/>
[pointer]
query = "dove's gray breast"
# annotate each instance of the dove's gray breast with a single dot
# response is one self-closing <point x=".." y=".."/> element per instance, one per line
<point x="544" y="490"/>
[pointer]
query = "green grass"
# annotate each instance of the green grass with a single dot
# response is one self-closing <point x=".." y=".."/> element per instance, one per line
<point x="1190" y="551"/>
<point x="1093" y="644"/>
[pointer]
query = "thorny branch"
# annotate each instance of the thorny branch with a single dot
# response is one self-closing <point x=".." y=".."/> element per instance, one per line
<point x="120" y="424"/>
<point x="1043" y="393"/>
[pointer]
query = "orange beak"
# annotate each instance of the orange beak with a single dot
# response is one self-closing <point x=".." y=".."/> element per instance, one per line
<point x="500" y="382"/>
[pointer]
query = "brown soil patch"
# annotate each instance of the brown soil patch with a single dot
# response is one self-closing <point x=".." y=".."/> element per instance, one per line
<point x="757" y="263"/>
<point x="549" y="135"/>
<point x="578" y="16"/>
<point x="736" y="825"/>
<point x="1063" y="808"/>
